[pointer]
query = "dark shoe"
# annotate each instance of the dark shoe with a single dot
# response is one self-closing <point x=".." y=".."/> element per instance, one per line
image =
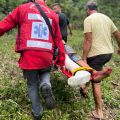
<point x="48" y="96"/>
<point x="37" y="117"/>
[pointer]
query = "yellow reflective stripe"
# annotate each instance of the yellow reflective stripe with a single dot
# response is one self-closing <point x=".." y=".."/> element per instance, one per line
<point x="81" y="68"/>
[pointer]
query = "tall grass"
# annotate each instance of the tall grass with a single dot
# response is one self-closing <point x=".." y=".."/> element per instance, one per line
<point x="14" y="101"/>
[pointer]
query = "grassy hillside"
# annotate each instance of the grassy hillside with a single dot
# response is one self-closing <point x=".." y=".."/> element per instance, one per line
<point x="14" y="102"/>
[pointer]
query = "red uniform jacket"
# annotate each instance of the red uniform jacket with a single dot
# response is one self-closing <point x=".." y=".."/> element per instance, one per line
<point x="34" y="38"/>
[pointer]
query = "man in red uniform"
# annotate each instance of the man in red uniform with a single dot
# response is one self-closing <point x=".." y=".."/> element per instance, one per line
<point x="35" y="44"/>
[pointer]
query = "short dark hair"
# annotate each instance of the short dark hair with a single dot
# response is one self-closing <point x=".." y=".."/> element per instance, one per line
<point x="91" y="5"/>
<point x="30" y="0"/>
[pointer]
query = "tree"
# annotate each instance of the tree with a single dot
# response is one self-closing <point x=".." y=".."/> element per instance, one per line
<point x="74" y="9"/>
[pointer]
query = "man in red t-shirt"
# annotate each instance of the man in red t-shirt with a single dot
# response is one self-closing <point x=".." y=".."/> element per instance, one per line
<point x="36" y="47"/>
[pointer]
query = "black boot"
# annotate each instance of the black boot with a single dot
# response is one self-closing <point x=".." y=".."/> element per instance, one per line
<point x="48" y="96"/>
<point x="37" y="117"/>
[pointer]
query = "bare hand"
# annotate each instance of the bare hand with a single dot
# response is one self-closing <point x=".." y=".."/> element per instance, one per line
<point x="85" y="60"/>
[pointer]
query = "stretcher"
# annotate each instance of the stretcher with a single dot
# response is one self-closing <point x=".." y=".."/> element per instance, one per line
<point x="81" y="79"/>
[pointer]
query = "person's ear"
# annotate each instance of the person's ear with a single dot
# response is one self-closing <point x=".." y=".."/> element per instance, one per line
<point x="88" y="12"/>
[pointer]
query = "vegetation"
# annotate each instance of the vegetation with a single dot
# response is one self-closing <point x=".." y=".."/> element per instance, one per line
<point x="73" y="8"/>
<point x="14" y="101"/>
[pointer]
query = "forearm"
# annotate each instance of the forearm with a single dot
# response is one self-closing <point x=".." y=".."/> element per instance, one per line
<point x="117" y="37"/>
<point x="82" y="63"/>
<point x="118" y="42"/>
<point x="70" y="29"/>
<point x="9" y="22"/>
<point x="86" y="49"/>
<point x="86" y="45"/>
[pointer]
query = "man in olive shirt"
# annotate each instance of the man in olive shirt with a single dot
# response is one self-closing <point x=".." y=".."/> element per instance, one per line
<point x="97" y="46"/>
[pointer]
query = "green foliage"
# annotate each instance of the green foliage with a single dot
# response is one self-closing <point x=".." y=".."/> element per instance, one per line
<point x="14" y="102"/>
<point x="8" y="5"/>
<point x="74" y="9"/>
<point x="110" y="8"/>
<point x="76" y="12"/>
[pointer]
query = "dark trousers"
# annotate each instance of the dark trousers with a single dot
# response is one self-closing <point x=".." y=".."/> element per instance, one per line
<point x="97" y="62"/>
<point x="35" y="80"/>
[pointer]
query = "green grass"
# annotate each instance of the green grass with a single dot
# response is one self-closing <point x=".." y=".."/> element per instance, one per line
<point x="14" y="102"/>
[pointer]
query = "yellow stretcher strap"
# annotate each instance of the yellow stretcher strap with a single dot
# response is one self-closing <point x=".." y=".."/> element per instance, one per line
<point x="81" y="68"/>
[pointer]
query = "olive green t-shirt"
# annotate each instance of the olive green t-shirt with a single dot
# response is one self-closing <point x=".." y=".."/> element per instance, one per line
<point x="101" y="27"/>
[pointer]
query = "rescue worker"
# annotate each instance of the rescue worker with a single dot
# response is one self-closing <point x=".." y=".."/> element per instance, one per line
<point x="35" y="45"/>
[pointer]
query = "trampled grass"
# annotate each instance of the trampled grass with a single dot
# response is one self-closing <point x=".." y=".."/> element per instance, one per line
<point x="14" y="102"/>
